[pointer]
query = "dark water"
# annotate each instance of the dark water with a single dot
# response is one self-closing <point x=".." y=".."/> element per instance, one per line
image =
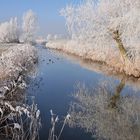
<point x="54" y="86"/>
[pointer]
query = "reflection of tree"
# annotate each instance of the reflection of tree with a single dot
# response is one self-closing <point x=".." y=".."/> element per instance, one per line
<point x="91" y="111"/>
<point x="116" y="96"/>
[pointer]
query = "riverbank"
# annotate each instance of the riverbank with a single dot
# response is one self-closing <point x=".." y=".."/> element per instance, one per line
<point x="16" y="58"/>
<point x="16" y="61"/>
<point x="109" y="56"/>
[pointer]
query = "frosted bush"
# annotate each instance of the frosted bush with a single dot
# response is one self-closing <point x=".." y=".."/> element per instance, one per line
<point x="16" y="59"/>
<point x="18" y="119"/>
<point x="41" y="40"/>
<point x="49" y="37"/>
<point x="54" y="37"/>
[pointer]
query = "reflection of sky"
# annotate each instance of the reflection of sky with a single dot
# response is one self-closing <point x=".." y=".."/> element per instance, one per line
<point x="55" y="83"/>
<point x="47" y="11"/>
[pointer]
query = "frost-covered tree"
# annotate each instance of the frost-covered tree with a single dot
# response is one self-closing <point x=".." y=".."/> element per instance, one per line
<point x="106" y="23"/>
<point x="9" y="31"/>
<point x="29" y="26"/>
<point x="69" y="14"/>
<point x="49" y="37"/>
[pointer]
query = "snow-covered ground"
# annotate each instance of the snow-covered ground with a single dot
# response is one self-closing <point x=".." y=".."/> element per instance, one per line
<point x="108" y="55"/>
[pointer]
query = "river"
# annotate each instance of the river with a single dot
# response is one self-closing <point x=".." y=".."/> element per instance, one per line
<point x="54" y="84"/>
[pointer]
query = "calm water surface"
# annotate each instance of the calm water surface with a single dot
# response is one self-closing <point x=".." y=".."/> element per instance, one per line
<point x="54" y="85"/>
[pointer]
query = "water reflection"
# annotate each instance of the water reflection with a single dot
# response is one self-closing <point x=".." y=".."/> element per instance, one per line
<point x="101" y="69"/>
<point x="53" y="87"/>
<point x="117" y="94"/>
<point x="106" y="113"/>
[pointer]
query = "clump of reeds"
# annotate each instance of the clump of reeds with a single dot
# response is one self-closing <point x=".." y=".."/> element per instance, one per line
<point x="54" y="121"/>
<point x="19" y="120"/>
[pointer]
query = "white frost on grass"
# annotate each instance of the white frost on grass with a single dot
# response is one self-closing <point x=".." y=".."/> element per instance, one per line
<point x="15" y="114"/>
<point x="17" y="58"/>
<point x="109" y="56"/>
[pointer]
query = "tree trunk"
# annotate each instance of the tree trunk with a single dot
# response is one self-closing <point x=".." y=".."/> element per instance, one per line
<point x="117" y="38"/>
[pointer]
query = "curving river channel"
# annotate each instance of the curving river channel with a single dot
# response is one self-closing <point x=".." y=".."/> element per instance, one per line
<point x="54" y="84"/>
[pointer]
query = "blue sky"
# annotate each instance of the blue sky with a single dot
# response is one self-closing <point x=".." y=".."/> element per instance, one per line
<point x="47" y="11"/>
